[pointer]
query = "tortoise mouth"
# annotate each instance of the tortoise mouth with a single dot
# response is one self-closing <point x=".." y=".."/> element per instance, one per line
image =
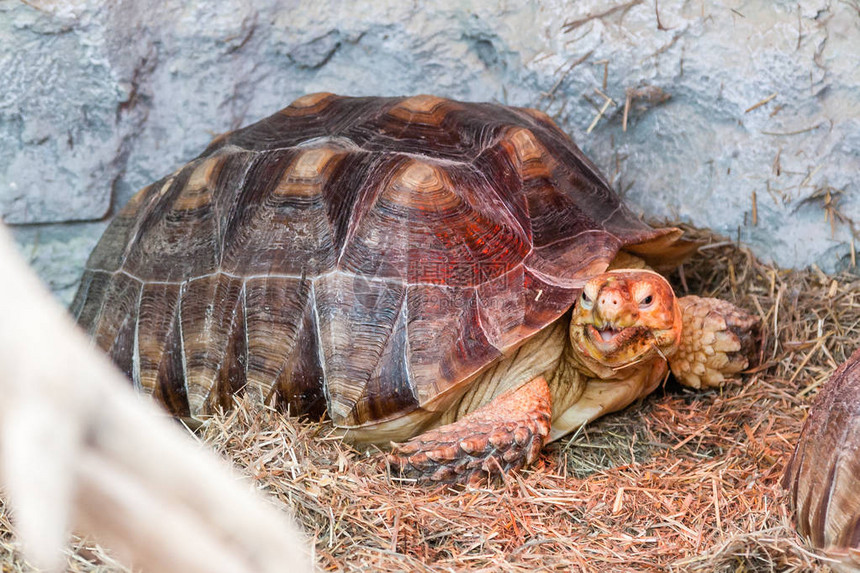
<point x="607" y="334"/>
<point x="612" y="341"/>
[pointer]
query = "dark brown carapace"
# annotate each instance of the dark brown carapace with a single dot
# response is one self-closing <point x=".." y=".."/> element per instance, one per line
<point x="355" y="256"/>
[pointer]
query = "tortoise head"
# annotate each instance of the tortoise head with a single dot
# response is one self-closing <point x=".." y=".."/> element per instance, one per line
<point x="624" y="318"/>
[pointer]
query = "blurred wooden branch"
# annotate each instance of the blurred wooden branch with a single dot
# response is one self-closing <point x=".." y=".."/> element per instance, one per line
<point x="78" y="449"/>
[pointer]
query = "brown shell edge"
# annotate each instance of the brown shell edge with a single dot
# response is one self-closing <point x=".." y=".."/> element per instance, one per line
<point x="823" y="474"/>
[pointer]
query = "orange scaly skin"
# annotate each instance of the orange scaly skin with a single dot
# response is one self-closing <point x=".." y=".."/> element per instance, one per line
<point x="503" y="435"/>
<point x="625" y="327"/>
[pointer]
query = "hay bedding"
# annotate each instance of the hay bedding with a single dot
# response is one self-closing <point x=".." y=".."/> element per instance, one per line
<point x="684" y="481"/>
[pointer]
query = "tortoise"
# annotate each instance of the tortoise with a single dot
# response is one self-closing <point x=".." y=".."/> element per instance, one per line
<point x="409" y="267"/>
<point x="823" y="474"/>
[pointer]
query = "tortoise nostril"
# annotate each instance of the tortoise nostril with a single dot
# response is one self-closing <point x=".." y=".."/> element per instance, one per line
<point x="606" y="301"/>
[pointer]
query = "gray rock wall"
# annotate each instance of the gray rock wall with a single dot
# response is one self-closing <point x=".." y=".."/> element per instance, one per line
<point x="98" y="99"/>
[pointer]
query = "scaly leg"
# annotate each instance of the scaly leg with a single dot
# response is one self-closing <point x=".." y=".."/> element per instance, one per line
<point x="718" y="340"/>
<point x="503" y="435"/>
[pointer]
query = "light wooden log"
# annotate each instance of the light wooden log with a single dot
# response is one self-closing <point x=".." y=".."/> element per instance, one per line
<point x="78" y="449"/>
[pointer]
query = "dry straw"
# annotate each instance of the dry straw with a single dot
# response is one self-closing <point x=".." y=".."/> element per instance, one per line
<point x="684" y="481"/>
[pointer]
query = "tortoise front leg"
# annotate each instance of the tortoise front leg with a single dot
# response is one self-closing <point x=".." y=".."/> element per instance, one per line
<point x="503" y="435"/>
<point x="718" y="340"/>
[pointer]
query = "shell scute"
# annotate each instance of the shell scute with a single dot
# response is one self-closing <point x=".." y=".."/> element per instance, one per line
<point x="279" y="224"/>
<point x="502" y="309"/>
<point x="179" y="234"/>
<point x="89" y="299"/>
<point x="273" y="333"/>
<point x="310" y="104"/>
<point x="210" y="322"/>
<point x="423" y="109"/>
<point x="439" y="129"/>
<point x="114" y="331"/>
<point x="446" y="339"/>
<point x="436" y="226"/>
<point x="118" y="237"/>
<point x="300" y="385"/>
<point x="158" y="343"/>
<point x="169" y="384"/>
<point x="357" y="318"/>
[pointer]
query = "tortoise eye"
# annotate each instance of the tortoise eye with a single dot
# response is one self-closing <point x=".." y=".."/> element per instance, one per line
<point x="585" y="301"/>
<point x="646" y="301"/>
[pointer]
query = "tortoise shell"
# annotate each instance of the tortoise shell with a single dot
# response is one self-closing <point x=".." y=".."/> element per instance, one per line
<point x="823" y="474"/>
<point x="356" y="256"/>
